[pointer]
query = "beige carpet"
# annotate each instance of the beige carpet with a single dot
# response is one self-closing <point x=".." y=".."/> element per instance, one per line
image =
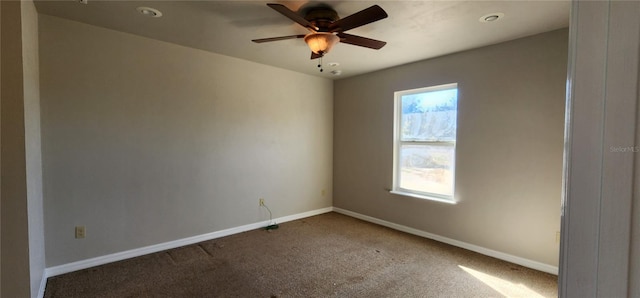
<point x="329" y="255"/>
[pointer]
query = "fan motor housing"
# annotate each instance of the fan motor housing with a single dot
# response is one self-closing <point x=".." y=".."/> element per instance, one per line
<point x="321" y="17"/>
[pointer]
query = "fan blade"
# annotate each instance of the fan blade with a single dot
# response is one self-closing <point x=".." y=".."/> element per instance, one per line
<point x="315" y="56"/>
<point x="292" y="15"/>
<point x="361" y="41"/>
<point x="363" y="17"/>
<point x="261" y="40"/>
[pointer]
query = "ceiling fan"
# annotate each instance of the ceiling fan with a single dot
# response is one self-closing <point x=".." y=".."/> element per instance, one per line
<point x="327" y="28"/>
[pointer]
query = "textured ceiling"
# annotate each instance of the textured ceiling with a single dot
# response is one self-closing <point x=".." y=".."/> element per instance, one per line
<point x="414" y="30"/>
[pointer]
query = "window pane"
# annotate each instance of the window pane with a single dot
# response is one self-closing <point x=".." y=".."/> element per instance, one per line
<point x="427" y="168"/>
<point x="429" y="116"/>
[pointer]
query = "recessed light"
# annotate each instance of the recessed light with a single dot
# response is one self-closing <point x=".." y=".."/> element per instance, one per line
<point x="150" y="12"/>
<point x="492" y="17"/>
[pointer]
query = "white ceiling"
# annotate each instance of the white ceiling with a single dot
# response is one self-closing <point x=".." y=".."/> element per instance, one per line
<point x="414" y="30"/>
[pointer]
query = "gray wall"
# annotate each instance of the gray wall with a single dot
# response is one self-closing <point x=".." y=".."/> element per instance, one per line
<point x="1" y="82"/>
<point x="22" y="218"/>
<point x="509" y="148"/>
<point x="145" y="142"/>
<point x="15" y="242"/>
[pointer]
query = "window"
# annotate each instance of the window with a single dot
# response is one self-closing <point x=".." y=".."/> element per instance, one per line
<point x="425" y="142"/>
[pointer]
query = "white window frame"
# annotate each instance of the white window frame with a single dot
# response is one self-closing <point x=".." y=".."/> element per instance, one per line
<point x="397" y="143"/>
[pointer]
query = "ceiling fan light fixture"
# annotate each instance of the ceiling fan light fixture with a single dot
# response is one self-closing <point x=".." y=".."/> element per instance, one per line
<point x="321" y="42"/>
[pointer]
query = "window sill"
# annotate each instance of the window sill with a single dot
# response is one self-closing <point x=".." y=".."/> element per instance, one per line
<point x="424" y="197"/>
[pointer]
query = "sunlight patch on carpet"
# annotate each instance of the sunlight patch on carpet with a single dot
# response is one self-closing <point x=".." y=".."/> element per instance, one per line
<point x="504" y="287"/>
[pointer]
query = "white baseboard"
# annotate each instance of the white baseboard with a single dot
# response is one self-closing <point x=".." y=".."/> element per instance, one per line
<point x="84" y="264"/>
<point x="43" y="284"/>
<point x="485" y="251"/>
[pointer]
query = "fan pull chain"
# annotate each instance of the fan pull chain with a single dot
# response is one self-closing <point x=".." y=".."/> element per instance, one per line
<point x="320" y="64"/>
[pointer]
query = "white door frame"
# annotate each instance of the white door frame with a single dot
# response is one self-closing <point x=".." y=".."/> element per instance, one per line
<point x="600" y="218"/>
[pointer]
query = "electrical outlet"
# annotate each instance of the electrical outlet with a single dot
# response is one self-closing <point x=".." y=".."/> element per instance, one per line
<point x="261" y="202"/>
<point x="80" y="232"/>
